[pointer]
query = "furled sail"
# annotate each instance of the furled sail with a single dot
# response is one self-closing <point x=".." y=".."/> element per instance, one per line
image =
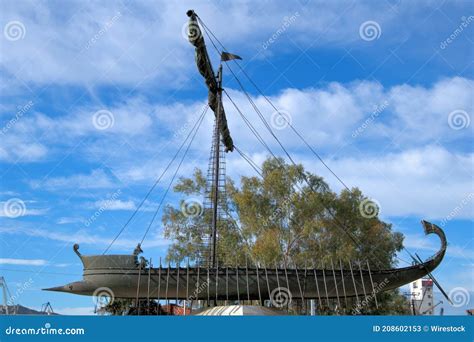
<point x="204" y="65"/>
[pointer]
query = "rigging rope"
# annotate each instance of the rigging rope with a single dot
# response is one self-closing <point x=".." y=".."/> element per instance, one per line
<point x="262" y="118"/>
<point x="249" y="125"/>
<point x="268" y="100"/>
<point x="157" y="181"/>
<point x="259" y="171"/>
<point x="256" y="168"/>
<point x="340" y="224"/>
<point x="174" y="176"/>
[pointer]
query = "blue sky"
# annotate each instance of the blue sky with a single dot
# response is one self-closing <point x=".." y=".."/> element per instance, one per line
<point x="382" y="89"/>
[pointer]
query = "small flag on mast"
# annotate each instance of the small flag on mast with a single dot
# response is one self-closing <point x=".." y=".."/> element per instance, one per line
<point x="226" y="56"/>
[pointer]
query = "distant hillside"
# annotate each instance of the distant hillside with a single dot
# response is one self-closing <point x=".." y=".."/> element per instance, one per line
<point x="21" y="310"/>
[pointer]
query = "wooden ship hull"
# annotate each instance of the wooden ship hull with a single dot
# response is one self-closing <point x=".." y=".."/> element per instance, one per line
<point x="123" y="276"/>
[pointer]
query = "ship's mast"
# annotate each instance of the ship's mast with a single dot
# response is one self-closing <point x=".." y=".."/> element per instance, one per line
<point x="221" y="131"/>
<point x="216" y="143"/>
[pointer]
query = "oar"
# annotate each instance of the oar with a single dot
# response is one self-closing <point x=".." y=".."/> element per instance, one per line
<point x="434" y="281"/>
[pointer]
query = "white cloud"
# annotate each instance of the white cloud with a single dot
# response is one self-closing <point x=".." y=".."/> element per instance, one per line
<point x="406" y="146"/>
<point x="422" y="113"/>
<point x="129" y="118"/>
<point x="97" y="179"/>
<point x="115" y="205"/>
<point x="36" y="135"/>
<point x="461" y="252"/>
<point x="428" y="182"/>
<point x="84" y="237"/>
<point x="22" y="209"/>
<point x="63" y="265"/>
<point x="418" y="177"/>
<point x="68" y="220"/>
<point x="110" y="43"/>
<point x="9" y="193"/>
<point x="14" y="149"/>
<point x="329" y="117"/>
<point x="22" y="262"/>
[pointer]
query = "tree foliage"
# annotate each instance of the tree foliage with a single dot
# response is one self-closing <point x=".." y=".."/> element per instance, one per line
<point x="288" y="216"/>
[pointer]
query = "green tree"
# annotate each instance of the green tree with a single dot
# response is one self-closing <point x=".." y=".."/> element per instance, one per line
<point x="288" y="216"/>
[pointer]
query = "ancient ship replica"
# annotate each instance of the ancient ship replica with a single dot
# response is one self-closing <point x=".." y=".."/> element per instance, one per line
<point x="131" y="276"/>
